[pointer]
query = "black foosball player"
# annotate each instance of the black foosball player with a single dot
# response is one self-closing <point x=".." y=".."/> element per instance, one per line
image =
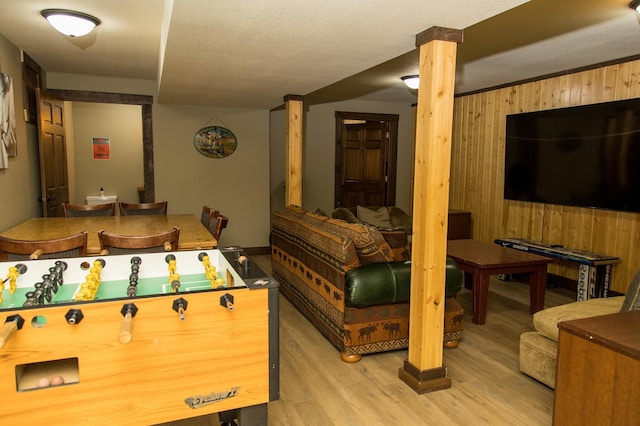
<point x="31" y="300"/>
<point x="53" y="280"/>
<point x="38" y="293"/>
<point x="55" y="273"/>
<point x="47" y="285"/>
<point x="132" y="290"/>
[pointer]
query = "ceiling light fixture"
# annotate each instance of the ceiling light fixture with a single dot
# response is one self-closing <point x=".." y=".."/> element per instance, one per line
<point x="413" y="81"/>
<point x="70" y="22"/>
<point x="635" y="5"/>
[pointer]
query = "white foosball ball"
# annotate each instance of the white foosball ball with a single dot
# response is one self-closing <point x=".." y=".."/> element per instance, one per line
<point x="137" y="339"/>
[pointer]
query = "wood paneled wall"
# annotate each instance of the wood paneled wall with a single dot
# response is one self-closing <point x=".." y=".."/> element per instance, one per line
<point x="477" y="170"/>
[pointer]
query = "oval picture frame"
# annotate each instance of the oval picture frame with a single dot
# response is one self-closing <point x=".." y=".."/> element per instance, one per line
<point x="215" y="142"/>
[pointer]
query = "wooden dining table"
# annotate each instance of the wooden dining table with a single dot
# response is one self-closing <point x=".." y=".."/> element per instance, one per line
<point x="193" y="235"/>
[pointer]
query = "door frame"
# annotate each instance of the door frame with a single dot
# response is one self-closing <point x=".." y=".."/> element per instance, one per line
<point x="391" y="151"/>
<point x="145" y="103"/>
<point x="50" y="121"/>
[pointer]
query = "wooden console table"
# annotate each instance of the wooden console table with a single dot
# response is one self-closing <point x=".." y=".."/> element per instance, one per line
<point x="598" y="371"/>
<point x="594" y="272"/>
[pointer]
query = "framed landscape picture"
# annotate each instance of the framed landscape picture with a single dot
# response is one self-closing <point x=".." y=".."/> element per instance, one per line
<point x="215" y="142"/>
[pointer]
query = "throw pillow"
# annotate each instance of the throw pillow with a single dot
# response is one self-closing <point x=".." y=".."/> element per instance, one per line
<point x="379" y="218"/>
<point x="632" y="298"/>
<point x="344" y="214"/>
<point x="369" y="242"/>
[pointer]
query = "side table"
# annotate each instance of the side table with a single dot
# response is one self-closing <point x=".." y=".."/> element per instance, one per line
<point x="598" y="371"/>
<point x="479" y="260"/>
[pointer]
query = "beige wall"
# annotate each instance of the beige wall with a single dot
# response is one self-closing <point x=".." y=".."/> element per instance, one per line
<point x="477" y="170"/>
<point x="237" y="186"/>
<point x="20" y="182"/>
<point x="318" y="169"/>
<point x="123" y="172"/>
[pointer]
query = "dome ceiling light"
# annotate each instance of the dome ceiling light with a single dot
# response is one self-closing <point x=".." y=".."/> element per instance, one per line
<point x="70" y="22"/>
<point x="413" y="81"/>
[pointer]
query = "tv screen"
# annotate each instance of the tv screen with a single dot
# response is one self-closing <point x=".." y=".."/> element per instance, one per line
<point x="586" y="156"/>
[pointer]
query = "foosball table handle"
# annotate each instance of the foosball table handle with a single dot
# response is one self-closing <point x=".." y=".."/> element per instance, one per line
<point x="126" y="329"/>
<point x="129" y="311"/>
<point x="36" y="254"/>
<point x="13" y="323"/>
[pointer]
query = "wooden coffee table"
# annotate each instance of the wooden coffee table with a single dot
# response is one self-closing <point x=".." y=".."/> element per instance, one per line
<point x="479" y="260"/>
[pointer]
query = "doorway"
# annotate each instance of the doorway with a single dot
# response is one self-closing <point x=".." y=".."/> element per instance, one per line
<point x="366" y="156"/>
<point x="145" y="103"/>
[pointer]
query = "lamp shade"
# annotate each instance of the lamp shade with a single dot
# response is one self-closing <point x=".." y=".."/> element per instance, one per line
<point x="71" y="23"/>
<point x="412" y="81"/>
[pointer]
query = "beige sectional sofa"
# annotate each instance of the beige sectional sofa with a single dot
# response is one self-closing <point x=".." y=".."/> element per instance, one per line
<point x="539" y="348"/>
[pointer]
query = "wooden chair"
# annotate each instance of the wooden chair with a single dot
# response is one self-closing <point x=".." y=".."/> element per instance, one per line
<point x="206" y="215"/>
<point x="84" y="210"/>
<point x="111" y="243"/>
<point x="71" y="246"/>
<point x="130" y="209"/>
<point x="214" y="221"/>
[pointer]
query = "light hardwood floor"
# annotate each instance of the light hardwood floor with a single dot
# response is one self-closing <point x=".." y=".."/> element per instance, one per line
<point x="317" y="388"/>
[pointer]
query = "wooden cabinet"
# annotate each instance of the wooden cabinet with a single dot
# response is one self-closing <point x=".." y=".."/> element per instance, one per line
<point x="598" y="371"/>
<point x="459" y="225"/>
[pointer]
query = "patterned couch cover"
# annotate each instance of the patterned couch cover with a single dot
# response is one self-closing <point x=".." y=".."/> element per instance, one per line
<point x="310" y="257"/>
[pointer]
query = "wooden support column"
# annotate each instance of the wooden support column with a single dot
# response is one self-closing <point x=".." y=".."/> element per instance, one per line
<point x="423" y="371"/>
<point x="414" y="114"/>
<point x="293" y="179"/>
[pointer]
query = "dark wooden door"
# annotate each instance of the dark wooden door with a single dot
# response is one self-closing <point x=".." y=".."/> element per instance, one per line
<point x="54" y="186"/>
<point x="366" y="146"/>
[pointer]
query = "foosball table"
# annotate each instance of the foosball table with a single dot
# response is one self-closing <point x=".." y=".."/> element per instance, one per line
<point x="137" y="339"/>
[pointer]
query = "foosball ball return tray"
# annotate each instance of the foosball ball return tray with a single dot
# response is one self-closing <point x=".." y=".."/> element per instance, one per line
<point x="137" y="339"/>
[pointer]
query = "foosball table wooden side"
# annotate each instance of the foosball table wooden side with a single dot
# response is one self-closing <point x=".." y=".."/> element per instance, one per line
<point x="215" y="359"/>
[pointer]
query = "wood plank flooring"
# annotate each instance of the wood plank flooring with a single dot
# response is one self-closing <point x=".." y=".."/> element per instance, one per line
<point x="317" y="388"/>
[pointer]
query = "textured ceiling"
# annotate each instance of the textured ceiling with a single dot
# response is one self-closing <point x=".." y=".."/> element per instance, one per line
<point x="252" y="53"/>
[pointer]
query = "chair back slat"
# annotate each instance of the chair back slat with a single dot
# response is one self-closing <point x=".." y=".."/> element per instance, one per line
<point x="214" y="221"/>
<point x="71" y="246"/>
<point x="130" y="209"/>
<point x="207" y="212"/>
<point x="84" y="210"/>
<point x="111" y="243"/>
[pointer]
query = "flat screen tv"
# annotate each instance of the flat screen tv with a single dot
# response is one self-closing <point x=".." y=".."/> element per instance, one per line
<point x="586" y="156"/>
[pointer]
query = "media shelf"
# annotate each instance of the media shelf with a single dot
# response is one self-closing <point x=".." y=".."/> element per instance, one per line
<point x="594" y="272"/>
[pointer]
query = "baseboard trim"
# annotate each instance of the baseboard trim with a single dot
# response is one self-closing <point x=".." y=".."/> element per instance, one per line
<point x="256" y="250"/>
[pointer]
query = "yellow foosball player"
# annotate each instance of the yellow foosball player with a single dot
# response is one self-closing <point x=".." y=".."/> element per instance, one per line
<point x="210" y="271"/>
<point x="174" y="277"/>
<point x="89" y="287"/>
<point x="12" y="276"/>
